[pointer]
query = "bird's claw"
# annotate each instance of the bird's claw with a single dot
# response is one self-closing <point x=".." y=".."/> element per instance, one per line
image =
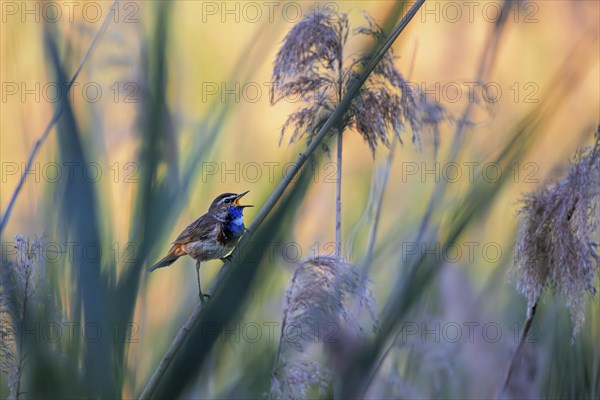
<point x="203" y="296"/>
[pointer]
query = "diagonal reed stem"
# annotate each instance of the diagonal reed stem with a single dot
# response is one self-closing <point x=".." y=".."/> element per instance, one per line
<point x="333" y="119"/>
<point x="523" y="335"/>
<point x="57" y="114"/>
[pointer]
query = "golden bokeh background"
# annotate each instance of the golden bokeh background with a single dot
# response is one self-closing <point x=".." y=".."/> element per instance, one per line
<point x="220" y="55"/>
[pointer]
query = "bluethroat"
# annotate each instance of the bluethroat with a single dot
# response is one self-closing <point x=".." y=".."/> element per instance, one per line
<point x="211" y="236"/>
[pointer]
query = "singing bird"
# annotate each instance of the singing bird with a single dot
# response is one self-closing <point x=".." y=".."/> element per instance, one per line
<point x="211" y="236"/>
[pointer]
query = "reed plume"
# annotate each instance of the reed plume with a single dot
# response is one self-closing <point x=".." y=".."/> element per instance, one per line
<point x="556" y="247"/>
<point x="555" y="244"/>
<point x="19" y="297"/>
<point x="323" y="304"/>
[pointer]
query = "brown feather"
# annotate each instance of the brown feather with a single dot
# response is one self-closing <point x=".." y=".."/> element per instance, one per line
<point x="176" y="251"/>
<point x="200" y="229"/>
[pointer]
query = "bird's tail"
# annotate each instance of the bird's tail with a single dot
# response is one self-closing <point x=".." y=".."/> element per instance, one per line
<point x="172" y="256"/>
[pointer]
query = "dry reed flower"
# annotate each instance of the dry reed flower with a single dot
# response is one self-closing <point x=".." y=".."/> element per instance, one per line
<point x="21" y="279"/>
<point x="557" y="242"/>
<point x="9" y="358"/>
<point x="320" y="299"/>
<point x="310" y="66"/>
<point x="321" y="292"/>
<point x="297" y="378"/>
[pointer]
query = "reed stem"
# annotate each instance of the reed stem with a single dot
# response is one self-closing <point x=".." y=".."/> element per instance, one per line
<point x="338" y="197"/>
<point x="523" y="335"/>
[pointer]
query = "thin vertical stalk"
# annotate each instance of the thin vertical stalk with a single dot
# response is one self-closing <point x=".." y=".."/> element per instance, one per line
<point x="338" y="197"/>
<point x="373" y="236"/>
<point x="338" y="182"/>
<point x="486" y="63"/>
<point x="367" y="263"/>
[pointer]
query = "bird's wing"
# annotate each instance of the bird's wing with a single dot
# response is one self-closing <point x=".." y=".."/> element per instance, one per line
<point x="201" y="229"/>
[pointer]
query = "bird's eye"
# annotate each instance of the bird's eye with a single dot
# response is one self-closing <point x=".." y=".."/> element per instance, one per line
<point x="227" y="201"/>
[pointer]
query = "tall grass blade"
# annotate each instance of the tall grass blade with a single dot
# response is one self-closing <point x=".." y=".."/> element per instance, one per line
<point x="79" y="211"/>
<point x="57" y="114"/>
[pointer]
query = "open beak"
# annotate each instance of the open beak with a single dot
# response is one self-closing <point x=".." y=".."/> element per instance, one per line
<point x="237" y="200"/>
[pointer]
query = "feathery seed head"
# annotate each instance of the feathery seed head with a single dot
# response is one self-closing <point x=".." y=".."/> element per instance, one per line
<point x="310" y="66"/>
<point x="297" y="377"/>
<point x="324" y="294"/>
<point x="557" y="243"/>
<point x="20" y="280"/>
<point x="319" y="293"/>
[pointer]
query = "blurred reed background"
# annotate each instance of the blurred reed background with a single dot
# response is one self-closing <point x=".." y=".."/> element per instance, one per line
<point x="173" y="108"/>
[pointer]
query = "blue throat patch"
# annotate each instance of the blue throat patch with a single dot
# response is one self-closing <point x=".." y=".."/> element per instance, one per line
<point x="236" y="222"/>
